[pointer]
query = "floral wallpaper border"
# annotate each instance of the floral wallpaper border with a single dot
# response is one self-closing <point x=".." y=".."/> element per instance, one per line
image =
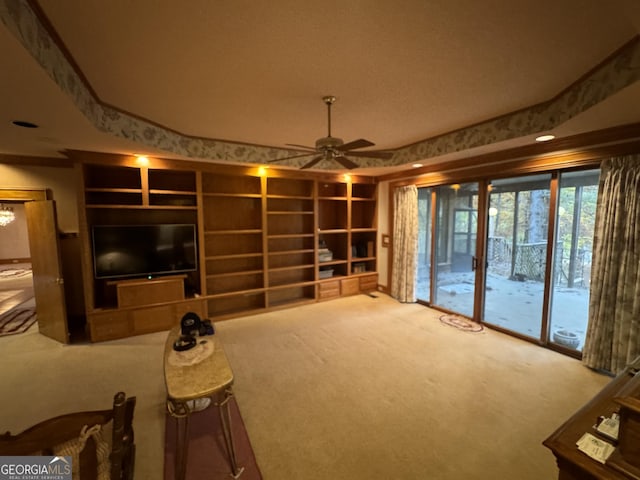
<point x="615" y="74"/>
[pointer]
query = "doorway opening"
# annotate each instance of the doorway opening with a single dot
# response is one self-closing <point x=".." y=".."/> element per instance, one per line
<point x="41" y="250"/>
<point x="17" y="302"/>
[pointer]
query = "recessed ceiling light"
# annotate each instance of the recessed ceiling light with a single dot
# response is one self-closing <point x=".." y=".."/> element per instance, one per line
<point x="416" y="165"/>
<point x="23" y="124"/>
<point x="545" y="138"/>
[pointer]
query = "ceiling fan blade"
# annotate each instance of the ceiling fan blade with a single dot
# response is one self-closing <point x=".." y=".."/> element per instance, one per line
<point x="360" y="143"/>
<point x="312" y="162"/>
<point x="345" y="162"/>
<point x="301" y="146"/>
<point x="372" y="154"/>
<point x="289" y="158"/>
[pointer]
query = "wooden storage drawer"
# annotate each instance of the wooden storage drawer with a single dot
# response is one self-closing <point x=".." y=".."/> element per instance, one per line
<point x="134" y="293"/>
<point x="108" y="325"/>
<point x="369" y="282"/>
<point x="349" y="286"/>
<point x="153" y="319"/>
<point x="328" y="289"/>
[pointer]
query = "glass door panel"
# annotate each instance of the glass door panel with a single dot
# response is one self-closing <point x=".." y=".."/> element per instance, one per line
<point x="456" y="232"/>
<point x="423" y="290"/>
<point x="516" y="250"/>
<point x="575" y="222"/>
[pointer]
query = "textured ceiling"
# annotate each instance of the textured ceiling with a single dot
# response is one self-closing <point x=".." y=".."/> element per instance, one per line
<point x="403" y="72"/>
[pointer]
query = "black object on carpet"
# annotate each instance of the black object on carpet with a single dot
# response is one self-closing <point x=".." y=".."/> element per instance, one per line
<point x="207" y="457"/>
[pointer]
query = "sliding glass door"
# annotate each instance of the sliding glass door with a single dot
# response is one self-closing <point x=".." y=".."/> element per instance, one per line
<point x="575" y="222"/>
<point x="513" y="291"/>
<point x="447" y="229"/>
<point x="423" y="283"/>
<point x="516" y="253"/>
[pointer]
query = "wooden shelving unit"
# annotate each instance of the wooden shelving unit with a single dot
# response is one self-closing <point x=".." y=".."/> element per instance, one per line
<point x="333" y="225"/>
<point x="129" y="195"/>
<point x="363" y="228"/>
<point x="172" y="189"/>
<point x="259" y="238"/>
<point x="234" y="247"/>
<point x="290" y="240"/>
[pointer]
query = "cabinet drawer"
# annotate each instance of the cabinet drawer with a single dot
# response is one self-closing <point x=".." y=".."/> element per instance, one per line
<point x="369" y="282"/>
<point x="154" y="319"/>
<point x="147" y="292"/>
<point x="349" y="286"/>
<point x="328" y="289"/>
<point x="108" y="326"/>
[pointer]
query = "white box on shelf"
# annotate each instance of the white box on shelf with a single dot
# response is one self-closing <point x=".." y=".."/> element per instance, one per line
<point x="325" y="255"/>
<point x="326" y="273"/>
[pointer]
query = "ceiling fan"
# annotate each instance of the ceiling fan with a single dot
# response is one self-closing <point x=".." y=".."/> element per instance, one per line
<point x="333" y="148"/>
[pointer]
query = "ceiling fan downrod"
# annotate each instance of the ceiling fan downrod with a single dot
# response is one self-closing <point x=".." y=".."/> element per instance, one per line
<point x="329" y="99"/>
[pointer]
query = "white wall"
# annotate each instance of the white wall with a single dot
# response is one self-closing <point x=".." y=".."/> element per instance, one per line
<point x="14" y="238"/>
<point x="61" y="181"/>
<point x="383" y="229"/>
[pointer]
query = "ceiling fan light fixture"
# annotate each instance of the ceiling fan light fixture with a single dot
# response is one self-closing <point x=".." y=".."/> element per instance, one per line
<point x="333" y="148"/>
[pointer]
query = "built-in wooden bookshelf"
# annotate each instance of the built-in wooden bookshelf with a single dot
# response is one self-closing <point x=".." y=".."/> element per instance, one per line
<point x="259" y="238"/>
<point x="290" y="240"/>
<point x="363" y="229"/>
<point x="333" y="225"/>
<point x="129" y="195"/>
<point x="234" y="246"/>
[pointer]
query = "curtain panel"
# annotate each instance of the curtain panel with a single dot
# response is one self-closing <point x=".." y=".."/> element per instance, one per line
<point x="405" y="244"/>
<point x="613" y="334"/>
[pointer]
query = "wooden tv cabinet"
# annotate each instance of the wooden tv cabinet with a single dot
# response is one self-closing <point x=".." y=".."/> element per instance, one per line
<point x="138" y="292"/>
<point x="144" y="306"/>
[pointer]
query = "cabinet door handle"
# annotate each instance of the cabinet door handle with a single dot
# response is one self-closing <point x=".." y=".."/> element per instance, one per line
<point x="474" y="264"/>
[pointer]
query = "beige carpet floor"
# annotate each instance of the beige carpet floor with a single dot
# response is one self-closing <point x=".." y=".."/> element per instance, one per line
<point x="355" y="388"/>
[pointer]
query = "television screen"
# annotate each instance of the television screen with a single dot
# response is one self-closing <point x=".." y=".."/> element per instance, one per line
<point x="143" y="250"/>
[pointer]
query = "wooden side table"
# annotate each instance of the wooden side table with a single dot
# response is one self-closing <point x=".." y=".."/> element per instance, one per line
<point x="192" y="388"/>
<point x="575" y="465"/>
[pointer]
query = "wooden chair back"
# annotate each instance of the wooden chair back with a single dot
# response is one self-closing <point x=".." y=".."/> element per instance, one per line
<point x="44" y="437"/>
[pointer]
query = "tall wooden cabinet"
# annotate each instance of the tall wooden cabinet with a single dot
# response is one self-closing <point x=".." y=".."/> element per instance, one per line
<point x="265" y="241"/>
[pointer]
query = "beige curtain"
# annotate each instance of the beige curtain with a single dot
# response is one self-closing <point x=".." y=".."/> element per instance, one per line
<point x="613" y="335"/>
<point x="405" y="243"/>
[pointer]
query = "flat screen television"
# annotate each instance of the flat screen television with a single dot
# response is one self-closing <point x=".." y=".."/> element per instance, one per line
<point x="143" y="250"/>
